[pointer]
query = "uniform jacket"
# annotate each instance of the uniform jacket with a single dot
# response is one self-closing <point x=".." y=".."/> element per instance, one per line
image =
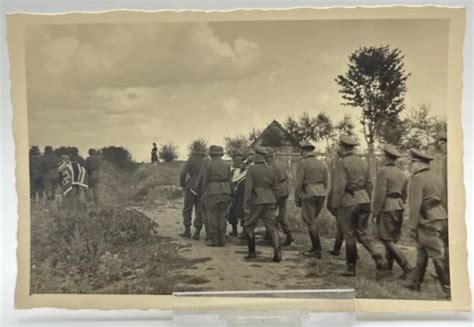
<point x="93" y="166"/>
<point x="425" y="199"/>
<point x="216" y="177"/>
<point x="352" y="182"/>
<point x="390" y="183"/>
<point x="331" y="189"/>
<point x="282" y="189"/>
<point x="198" y="186"/>
<point x="35" y="166"/>
<point x="49" y="166"/>
<point x="190" y="172"/>
<point x="77" y="158"/>
<point x="261" y="184"/>
<point x="311" y="178"/>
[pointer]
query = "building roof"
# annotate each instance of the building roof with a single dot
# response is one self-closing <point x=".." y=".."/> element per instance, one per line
<point x="276" y="125"/>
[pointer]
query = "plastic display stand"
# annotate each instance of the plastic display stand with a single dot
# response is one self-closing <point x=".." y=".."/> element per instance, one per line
<point x="234" y="315"/>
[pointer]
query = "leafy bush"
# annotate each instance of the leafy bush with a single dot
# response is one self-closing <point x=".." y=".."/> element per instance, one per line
<point x="118" y="156"/>
<point x="199" y="145"/>
<point x="237" y="142"/>
<point x="168" y="152"/>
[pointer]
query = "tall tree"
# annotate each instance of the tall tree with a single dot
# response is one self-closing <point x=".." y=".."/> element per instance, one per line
<point x="421" y="128"/>
<point x="237" y="142"/>
<point x="324" y="128"/>
<point x="294" y="129"/>
<point x="345" y="126"/>
<point x="376" y="83"/>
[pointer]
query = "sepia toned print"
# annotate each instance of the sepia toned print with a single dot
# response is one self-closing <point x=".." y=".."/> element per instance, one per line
<point x="208" y="154"/>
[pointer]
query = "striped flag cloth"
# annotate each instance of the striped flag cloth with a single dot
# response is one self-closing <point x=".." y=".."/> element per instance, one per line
<point x="72" y="174"/>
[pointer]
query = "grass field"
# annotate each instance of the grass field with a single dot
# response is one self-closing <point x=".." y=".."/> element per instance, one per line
<point x="131" y="246"/>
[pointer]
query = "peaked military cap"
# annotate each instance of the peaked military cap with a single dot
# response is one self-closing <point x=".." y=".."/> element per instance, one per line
<point x="417" y="154"/>
<point x="270" y="152"/>
<point x="391" y="151"/>
<point x="260" y="150"/>
<point x="216" y="150"/>
<point x="347" y="140"/>
<point x="307" y="146"/>
<point x="443" y="136"/>
<point x="236" y="153"/>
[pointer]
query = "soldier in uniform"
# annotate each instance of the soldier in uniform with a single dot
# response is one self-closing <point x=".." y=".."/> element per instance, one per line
<point x="92" y="166"/>
<point x="352" y="188"/>
<point x="236" y="210"/>
<point x="260" y="187"/>
<point x="50" y="174"/>
<point x="154" y="154"/>
<point x="36" y="180"/>
<point x="339" y="239"/>
<point x="390" y="194"/>
<point x="216" y="185"/>
<point x="199" y="190"/>
<point x="188" y="177"/>
<point x="428" y="219"/>
<point x="310" y="192"/>
<point x="282" y="193"/>
<point x="442" y="144"/>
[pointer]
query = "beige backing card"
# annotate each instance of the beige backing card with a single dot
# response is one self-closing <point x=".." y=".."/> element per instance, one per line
<point x="16" y="24"/>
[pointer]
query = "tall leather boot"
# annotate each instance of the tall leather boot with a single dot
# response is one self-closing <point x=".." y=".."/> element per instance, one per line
<point x="414" y="281"/>
<point x="401" y="260"/>
<point x="351" y="259"/>
<point x="197" y="231"/>
<point x="289" y="239"/>
<point x="251" y="246"/>
<point x="187" y="232"/>
<point x="389" y="258"/>
<point x="443" y="276"/>
<point x="276" y="246"/>
<point x="315" y="250"/>
<point x="234" y="231"/>
<point x="337" y="243"/>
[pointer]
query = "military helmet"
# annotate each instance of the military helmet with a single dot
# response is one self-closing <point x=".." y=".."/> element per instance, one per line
<point x="347" y="140"/>
<point x="48" y="149"/>
<point x="216" y="150"/>
<point x="390" y="150"/>
<point x="419" y="155"/>
<point x="34" y="150"/>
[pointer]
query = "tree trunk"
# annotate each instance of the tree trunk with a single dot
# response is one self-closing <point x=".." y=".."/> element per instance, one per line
<point x="372" y="163"/>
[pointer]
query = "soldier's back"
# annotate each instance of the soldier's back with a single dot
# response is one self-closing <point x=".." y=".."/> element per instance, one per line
<point x="356" y="168"/>
<point x="314" y="170"/>
<point x="218" y="177"/>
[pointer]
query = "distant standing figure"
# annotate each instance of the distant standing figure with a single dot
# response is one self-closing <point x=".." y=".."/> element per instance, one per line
<point x="154" y="154"/>
<point x="93" y="171"/>
<point x="36" y="180"/>
<point x="236" y="211"/>
<point x="75" y="157"/>
<point x="49" y="172"/>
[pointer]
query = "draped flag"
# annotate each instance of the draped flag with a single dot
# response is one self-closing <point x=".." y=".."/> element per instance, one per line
<point x="72" y="174"/>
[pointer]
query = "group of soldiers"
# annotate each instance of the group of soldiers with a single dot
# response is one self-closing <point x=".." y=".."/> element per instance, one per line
<point x="78" y="178"/>
<point x="255" y="187"/>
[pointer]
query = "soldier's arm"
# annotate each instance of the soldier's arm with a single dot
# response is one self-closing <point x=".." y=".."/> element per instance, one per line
<point x="339" y="185"/>
<point x="184" y="173"/>
<point x="325" y="176"/>
<point x="415" y="202"/>
<point x="205" y="178"/>
<point x="299" y="181"/>
<point x="405" y="190"/>
<point x="380" y="191"/>
<point x="248" y="186"/>
<point x="198" y="185"/>
<point x="368" y="182"/>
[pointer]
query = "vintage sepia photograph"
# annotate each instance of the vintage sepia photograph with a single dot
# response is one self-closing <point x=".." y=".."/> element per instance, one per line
<point x="236" y="155"/>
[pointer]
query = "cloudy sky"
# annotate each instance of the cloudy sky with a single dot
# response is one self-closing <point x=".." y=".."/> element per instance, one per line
<point x="93" y="85"/>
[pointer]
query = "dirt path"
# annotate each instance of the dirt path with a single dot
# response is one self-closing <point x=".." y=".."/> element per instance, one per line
<point x="224" y="268"/>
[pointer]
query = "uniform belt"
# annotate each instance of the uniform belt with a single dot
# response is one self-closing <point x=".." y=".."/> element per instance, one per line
<point x="352" y="189"/>
<point x="283" y="180"/>
<point x="393" y="195"/>
<point x="219" y="181"/>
